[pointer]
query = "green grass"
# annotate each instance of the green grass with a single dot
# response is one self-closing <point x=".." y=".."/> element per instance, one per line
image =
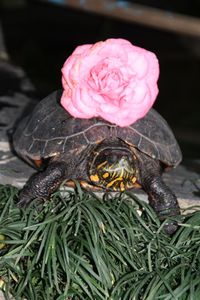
<point x="79" y="246"/>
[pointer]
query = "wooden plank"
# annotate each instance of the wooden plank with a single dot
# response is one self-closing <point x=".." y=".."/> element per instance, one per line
<point x="136" y="13"/>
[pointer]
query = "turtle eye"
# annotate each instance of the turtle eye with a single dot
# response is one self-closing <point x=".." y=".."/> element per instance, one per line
<point x="112" y="158"/>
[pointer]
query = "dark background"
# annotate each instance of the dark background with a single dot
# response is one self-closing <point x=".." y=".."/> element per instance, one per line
<point x="39" y="37"/>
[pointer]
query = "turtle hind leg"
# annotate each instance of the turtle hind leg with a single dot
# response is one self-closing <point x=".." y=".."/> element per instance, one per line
<point x="43" y="184"/>
<point x="161" y="198"/>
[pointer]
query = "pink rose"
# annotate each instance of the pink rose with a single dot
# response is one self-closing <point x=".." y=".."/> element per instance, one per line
<point x="114" y="80"/>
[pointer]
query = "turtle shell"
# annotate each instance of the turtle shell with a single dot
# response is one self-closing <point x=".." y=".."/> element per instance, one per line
<point x="51" y="131"/>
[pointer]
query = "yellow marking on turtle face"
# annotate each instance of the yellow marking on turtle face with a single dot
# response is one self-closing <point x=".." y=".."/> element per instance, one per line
<point x="133" y="179"/>
<point x="102" y="164"/>
<point x="113" y="181"/>
<point x="128" y="185"/>
<point x="113" y="174"/>
<point x="105" y="175"/>
<point x="122" y="188"/>
<point x="122" y="173"/>
<point x="94" y="178"/>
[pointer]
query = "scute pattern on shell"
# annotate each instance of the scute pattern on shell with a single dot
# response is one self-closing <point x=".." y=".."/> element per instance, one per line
<point x="153" y="136"/>
<point x="50" y="130"/>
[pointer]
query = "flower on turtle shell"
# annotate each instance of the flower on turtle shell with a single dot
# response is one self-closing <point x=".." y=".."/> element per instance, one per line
<point x="111" y="79"/>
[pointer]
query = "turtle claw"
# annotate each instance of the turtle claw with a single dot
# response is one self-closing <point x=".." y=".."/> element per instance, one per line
<point x="26" y="196"/>
<point x="24" y="200"/>
<point x="170" y="227"/>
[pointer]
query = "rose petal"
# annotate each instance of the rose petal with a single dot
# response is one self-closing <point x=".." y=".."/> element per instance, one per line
<point x="112" y="79"/>
<point x="83" y="105"/>
<point x="108" y="108"/>
<point x="68" y="105"/>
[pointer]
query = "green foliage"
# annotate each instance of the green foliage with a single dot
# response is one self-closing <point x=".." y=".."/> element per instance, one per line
<point x="81" y="246"/>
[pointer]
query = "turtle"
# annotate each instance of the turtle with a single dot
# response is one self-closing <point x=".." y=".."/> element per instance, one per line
<point x="98" y="154"/>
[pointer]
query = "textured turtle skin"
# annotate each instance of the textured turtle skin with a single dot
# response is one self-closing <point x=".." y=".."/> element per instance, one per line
<point x="67" y="145"/>
<point x="51" y="131"/>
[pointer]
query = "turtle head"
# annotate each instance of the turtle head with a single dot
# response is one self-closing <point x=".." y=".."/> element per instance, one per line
<point x="113" y="166"/>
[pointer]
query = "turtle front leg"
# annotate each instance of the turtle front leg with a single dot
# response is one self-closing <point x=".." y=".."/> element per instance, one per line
<point x="43" y="184"/>
<point x="161" y="198"/>
<point x="163" y="201"/>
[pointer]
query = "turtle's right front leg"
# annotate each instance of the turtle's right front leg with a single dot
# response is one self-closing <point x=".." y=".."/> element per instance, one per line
<point x="43" y="184"/>
<point x="161" y="198"/>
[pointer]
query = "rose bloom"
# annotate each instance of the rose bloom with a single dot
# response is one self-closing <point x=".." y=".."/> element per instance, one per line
<point x="114" y="80"/>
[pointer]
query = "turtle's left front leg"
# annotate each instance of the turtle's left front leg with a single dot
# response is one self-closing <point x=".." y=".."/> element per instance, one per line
<point x="161" y="198"/>
<point x="43" y="184"/>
